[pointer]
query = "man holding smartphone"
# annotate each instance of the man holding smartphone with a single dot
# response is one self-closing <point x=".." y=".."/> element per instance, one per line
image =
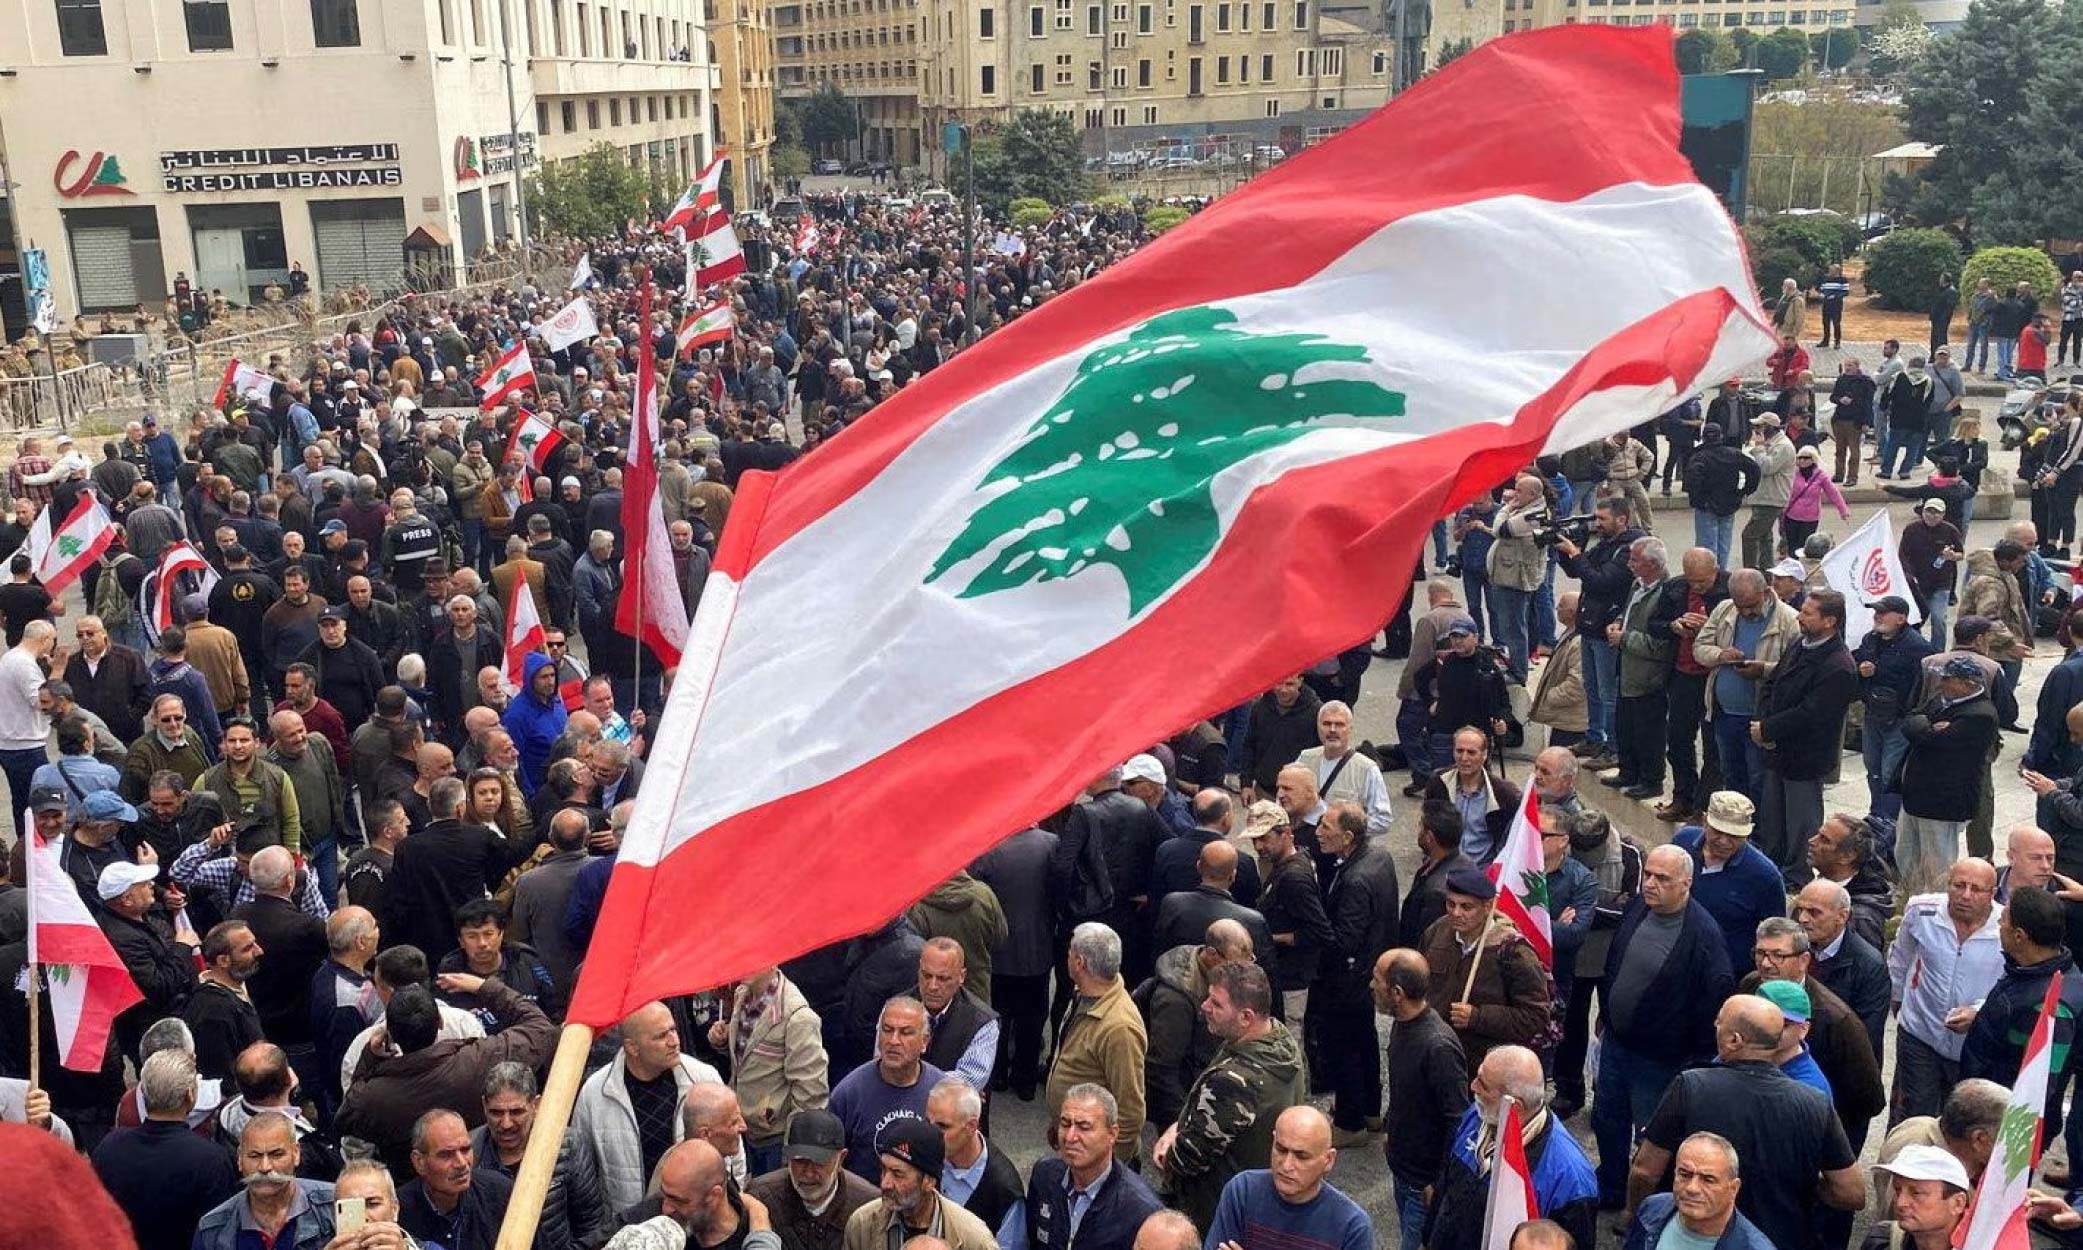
<point x="365" y="1210"/>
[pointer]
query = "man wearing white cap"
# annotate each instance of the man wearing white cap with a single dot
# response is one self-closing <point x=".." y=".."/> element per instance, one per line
<point x="160" y="960"/>
<point x="1774" y="454"/>
<point x="1930" y="552"/>
<point x="1928" y="1199"/>
<point x="1143" y="779"/>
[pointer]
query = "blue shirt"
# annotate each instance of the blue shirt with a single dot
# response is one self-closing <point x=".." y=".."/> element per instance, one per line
<point x="1252" y="1214"/>
<point x="1803" y="1068"/>
<point x="957" y="1184"/>
<point x="1733" y="693"/>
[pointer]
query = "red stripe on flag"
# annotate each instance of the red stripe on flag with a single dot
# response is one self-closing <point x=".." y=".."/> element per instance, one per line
<point x="1316" y="552"/>
<point x="224" y="384"/>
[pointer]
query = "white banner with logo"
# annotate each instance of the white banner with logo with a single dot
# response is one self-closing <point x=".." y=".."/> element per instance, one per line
<point x="1863" y="568"/>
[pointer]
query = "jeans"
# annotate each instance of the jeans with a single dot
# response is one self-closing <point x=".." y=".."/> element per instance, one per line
<point x="1628" y="1090"/>
<point x="1922" y="1077"/>
<point x="324" y="858"/>
<point x="1833" y="324"/>
<point x="20" y="766"/>
<point x="1544" y="629"/>
<point x="1761" y="536"/>
<point x="1508" y="629"/>
<point x="1935" y="605"/>
<point x="1976" y="358"/>
<point x="477" y="547"/>
<point x="1410" y="1212"/>
<point x="1924" y="850"/>
<point x="1475" y="591"/>
<point x="1601" y="688"/>
<point x="1414" y="731"/>
<point x="1234" y="723"/>
<point x="1883" y="747"/>
<point x="2006" y="355"/>
<point x="1439" y="544"/>
<point x="1715" y="533"/>
<point x="1742" y="761"/>
<point x="1910" y="442"/>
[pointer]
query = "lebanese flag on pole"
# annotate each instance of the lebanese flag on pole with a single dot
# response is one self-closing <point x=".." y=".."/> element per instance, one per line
<point x="703" y="326"/>
<point x="1521" y="874"/>
<point x="87" y="985"/>
<point x="535" y="437"/>
<point x="1996" y="1221"/>
<point x="719" y="257"/>
<point x="242" y="380"/>
<point x="515" y="371"/>
<point x="650" y="583"/>
<point x="58" y="559"/>
<point x="1009" y="550"/>
<point x="702" y="197"/>
<point x="524" y="632"/>
<point x="1512" y="1200"/>
<point x="164" y="582"/>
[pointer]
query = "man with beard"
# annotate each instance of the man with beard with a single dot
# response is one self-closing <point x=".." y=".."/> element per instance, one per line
<point x="288" y="1213"/>
<point x="811" y="1199"/>
<point x="911" y="1204"/>
<point x="220" y="1013"/>
<point x="1560" y="1176"/>
<point x="451" y="1200"/>
<point x="695" y="1193"/>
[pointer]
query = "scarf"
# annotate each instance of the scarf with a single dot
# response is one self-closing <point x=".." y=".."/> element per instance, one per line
<point x="1486" y="1138"/>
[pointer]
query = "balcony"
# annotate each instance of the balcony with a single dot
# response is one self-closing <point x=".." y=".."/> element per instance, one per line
<point x="565" y="76"/>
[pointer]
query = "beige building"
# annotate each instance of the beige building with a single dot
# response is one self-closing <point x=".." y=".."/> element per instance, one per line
<point x="1194" y="74"/>
<point x="743" y="34"/>
<point x="1487" y="19"/>
<point x="223" y="143"/>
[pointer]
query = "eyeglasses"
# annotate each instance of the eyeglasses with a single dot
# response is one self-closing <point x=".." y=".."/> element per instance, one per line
<point x="558" y="645"/>
<point x="1772" y="956"/>
<point x="175" y="719"/>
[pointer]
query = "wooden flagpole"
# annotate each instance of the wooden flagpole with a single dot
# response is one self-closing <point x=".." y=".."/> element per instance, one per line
<point x="1468" y="987"/>
<point x="552" y="1117"/>
<point x="35" y="969"/>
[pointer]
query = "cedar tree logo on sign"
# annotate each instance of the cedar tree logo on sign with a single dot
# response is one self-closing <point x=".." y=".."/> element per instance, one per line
<point x="1119" y="470"/>
<point x="467" y="167"/>
<point x="99" y="175"/>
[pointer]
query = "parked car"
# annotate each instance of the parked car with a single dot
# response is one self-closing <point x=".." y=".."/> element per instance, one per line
<point x="787" y="208"/>
<point x="936" y="195"/>
<point x="828" y="166"/>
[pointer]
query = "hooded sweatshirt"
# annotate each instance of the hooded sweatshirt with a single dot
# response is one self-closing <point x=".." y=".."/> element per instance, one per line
<point x="534" y="722"/>
<point x="966" y="910"/>
<point x="1226" y="1125"/>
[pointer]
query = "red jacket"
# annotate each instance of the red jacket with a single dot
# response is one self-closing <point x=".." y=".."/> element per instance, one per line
<point x="1786" y="365"/>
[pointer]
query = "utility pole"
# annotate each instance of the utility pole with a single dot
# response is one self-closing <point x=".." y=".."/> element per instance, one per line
<point x="969" y="222"/>
<point x="513" y="126"/>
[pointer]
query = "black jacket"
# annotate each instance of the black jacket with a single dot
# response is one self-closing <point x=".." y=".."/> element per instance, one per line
<point x="293" y="946"/>
<point x="166" y="1177"/>
<point x="1364" y="905"/>
<point x="575" y="1213"/>
<point x="348" y="678"/>
<point x="998" y="1191"/>
<point x="1898" y="668"/>
<point x="1948" y="759"/>
<point x="1183" y="918"/>
<point x="223" y="1024"/>
<point x="1292" y="902"/>
<point x="1858" y="975"/>
<point x="1674" y="1020"/>
<point x="436" y="871"/>
<point x="2062" y="690"/>
<point x="1427" y="900"/>
<point x="1604" y="580"/>
<point x="1104" y="855"/>
<point x="163" y="969"/>
<point x="381" y="628"/>
<point x="1017" y="870"/>
<point x="474" y="1225"/>
<point x="116" y="693"/>
<point x="1672" y="598"/>
<point x="1110" y="1223"/>
<point x="1718" y="477"/>
<point x="1427" y="1083"/>
<point x="1273" y="737"/>
<point x="1802" y="707"/>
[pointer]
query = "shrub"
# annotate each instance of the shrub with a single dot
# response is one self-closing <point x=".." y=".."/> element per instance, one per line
<point x="1822" y="239"/>
<point x="1111" y="203"/>
<point x="1030" y="211"/>
<point x="2006" y="267"/>
<point x="1772" y="262"/>
<point x="1904" y="267"/>
<point x="1164" y="217"/>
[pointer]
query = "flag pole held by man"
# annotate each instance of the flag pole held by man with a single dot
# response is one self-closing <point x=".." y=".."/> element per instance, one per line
<point x="1024" y="535"/>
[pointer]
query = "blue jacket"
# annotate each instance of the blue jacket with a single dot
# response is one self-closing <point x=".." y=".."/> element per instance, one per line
<point x="1674" y="1022"/>
<point x="1995" y="1045"/>
<point x="1041" y="1221"/>
<point x="2047" y="751"/>
<point x="311" y="1228"/>
<point x="179" y="677"/>
<point x="166" y="457"/>
<point x="1565" y="1187"/>
<point x="1572" y="885"/>
<point x="535" y="723"/>
<point x="1747" y="889"/>
<point x="1656" y="1211"/>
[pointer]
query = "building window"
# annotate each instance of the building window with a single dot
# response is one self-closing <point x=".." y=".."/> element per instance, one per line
<point x="1380" y="63"/>
<point x="1305" y="62"/>
<point x="592" y="114"/>
<point x="1063" y="70"/>
<point x="1034" y="22"/>
<point x="1265" y="68"/>
<point x="1193" y="76"/>
<point x="987" y="23"/>
<point x="80" y="32"/>
<point x="542" y="117"/>
<point x="1120" y="117"/>
<point x="1222" y="71"/>
<point x="615" y="111"/>
<point x="209" y="25"/>
<point x="585" y="30"/>
<point x="1244" y="69"/>
<point x="1301" y="14"/>
<point x="1266" y="12"/>
<point x="1145" y="19"/>
<point x="1121" y="78"/>
<point x="1120" y="39"/>
<point x="1092" y="72"/>
<point x="568" y="110"/>
<point x="334" y="24"/>
<point x="1149" y="114"/>
<point x="1195" y="32"/>
<point x="1333" y="61"/>
<point x="650" y="108"/>
<point x="1035" y="73"/>
<point x="1222" y="19"/>
<point x="1092" y="19"/>
<point x="1143" y="72"/>
<point x="988" y="80"/>
<point x="1272" y="108"/>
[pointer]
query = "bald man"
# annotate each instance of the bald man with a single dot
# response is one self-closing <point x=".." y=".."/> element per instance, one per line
<point x="1795" y="1152"/>
<point x="629" y="1112"/>
<point x="1946" y="956"/>
<point x="1183" y="917"/>
<point x="1289" y="1203"/>
<point x="293" y="943"/>
<point x="1564" y="1184"/>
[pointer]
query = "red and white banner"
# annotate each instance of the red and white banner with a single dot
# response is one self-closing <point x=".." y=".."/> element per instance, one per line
<point x="87" y="984"/>
<point x="806" y="235"/>
<point x="650" y="584"/>
<point x="513" y="372"/>
<point x="574" y="323"/>
<point x="1512" y="1200"/>
<point x="1996" y="1221"/>
<point x="163" y="585"/>
<point x="535" y="437"/>
<point x="717" y="256"/>
<point x="59" y="558"/>
<point x="524" y="632"/>
<point x="1864" y="567"/>
<point x="702" y="197"/>
<point x="704" y="326"/>
<point x="243" y="381"/>
<point x="1521" y="874"/>
<point x="1011" y="550"/>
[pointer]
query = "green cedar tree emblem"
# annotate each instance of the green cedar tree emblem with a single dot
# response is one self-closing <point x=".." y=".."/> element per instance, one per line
<point x="1533" y="887"/>
<point x="2020" y="1125"/>
<point x="1118" y="470"/>
<point x="529" y="438"/>
<point x="69" y="546"/>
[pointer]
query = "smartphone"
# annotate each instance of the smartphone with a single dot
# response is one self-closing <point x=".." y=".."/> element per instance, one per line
<point x="349" y="1214"/>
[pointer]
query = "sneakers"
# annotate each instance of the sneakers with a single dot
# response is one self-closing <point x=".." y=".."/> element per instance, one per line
<point x="1606" y="758"/>
<point x="1620" y="781"/>
<point x="1347" y="1138"/>
<point x="1584" y="750"/>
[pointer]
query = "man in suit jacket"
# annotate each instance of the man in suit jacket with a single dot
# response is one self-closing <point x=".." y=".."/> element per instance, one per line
<point x="1846" y="964"/>
<point x="1183" y="917"/>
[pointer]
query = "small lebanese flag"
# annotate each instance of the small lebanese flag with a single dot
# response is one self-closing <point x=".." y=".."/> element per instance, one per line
<point x="702" y="197"/>
<point x="512" y="372"/>
<point x="717" y="254"/>
<point x="524" y="633"/>
<point x="1512" y="1200"/>
<point x="179" y="558"/>
<point x="806" y="236"/>
<point x="534" y="437"/>
<point x="1521" y="874"/>
<point x="649" y="608"/>
<point x="58" y="559"/>
<point x="242" y="380"/>
<point x="1997" y="1219"/>
<point x="704" y="326"/>
<point x="88" y="985"/>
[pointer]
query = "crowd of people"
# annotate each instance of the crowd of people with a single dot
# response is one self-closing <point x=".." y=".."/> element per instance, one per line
<point x="354" y="872"/>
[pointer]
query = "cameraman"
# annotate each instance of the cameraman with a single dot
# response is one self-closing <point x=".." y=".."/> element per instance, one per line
<point x="1603" y="578"/>
<point x="1463" y="686"/>
<point x="1517" y="566"/>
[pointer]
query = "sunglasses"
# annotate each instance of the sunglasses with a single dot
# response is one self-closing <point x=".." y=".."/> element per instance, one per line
<point x="171" y="720"/>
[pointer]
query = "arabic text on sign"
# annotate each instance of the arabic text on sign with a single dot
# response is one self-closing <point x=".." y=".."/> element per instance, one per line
<point x="328" y="154"/>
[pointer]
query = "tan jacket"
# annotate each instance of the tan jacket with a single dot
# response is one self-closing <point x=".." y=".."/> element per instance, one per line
<point x="1516" y="561"/>
<point x="1425" y="631"/>
<point x="1558" y="689"/>
<point x="491" y="505"/>
<point x="867" y="1229"/>
<point x="214" y="651"/>
<point x="1782" y="629"/>
<point x="467" y="486"/>
<point x="715" y="499"/>
<point x="1993" y="593"/>
<point x="780" y="1068"/>
<point x="1104" y="1042"/>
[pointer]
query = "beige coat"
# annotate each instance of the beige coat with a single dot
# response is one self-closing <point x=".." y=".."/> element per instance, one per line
<point x="1104" y="1041"/>
<point x="1993" y="593"/>
<point x="1558" y="688"/>
<point x="1516" y="561"/>
<point x="867" y="1228"/>
<point x="780" y="1068"/>
<point x="214" y="652"/>
<point x="1782" y="629"/>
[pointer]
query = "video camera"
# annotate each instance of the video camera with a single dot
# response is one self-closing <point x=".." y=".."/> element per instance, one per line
<point x="1554" y="529"/>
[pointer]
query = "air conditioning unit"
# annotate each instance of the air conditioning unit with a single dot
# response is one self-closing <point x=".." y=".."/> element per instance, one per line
<point x="121" y="350"/>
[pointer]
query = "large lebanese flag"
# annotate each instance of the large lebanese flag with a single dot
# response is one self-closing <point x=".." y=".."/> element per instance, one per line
<point x="702" y="197"/>
<point x="524" y="633"/>
<point x="714" y="253"/>
<point x="703" y="326"/>
<point x="1997" y="1219"/>
<point x="650" y="585"/>
<point x="535" y="437"/>
<point x="59" y="558"/>
<point x="88" y="985"/>
<point x="515" y="371"/>
<point x="1521" y="874"/>
<point x="1013" y="549"/>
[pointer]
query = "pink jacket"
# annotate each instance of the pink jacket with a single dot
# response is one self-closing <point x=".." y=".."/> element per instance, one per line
<point x="1804" y="501"/>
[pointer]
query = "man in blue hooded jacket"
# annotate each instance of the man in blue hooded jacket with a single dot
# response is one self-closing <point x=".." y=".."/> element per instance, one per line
<point x="535" y="718"/>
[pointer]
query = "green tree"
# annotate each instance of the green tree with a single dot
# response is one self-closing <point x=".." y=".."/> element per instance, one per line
<point x="1898" y="40"/>
<point x="1164" y="217"/>
<point x="1969" y="95"/>
<point x="790" y="161"/>
<point x="1745" y="41"/>
<point x="2039" y="196"/>
<point x="593" y="193"/>
<point x="1450" y="51"/>
<point x="1698" y="50"/>
<point x="1835" y="48"/>
<point x="1783" y="54"/>
<point x="1904" y="267"/>
<point x="1037" y="154"/>
<point x="1827" y="133"/>
<point x="828" y="120"/>
<point x="1119" y="469"/>
<point x="2006" y="267"/>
